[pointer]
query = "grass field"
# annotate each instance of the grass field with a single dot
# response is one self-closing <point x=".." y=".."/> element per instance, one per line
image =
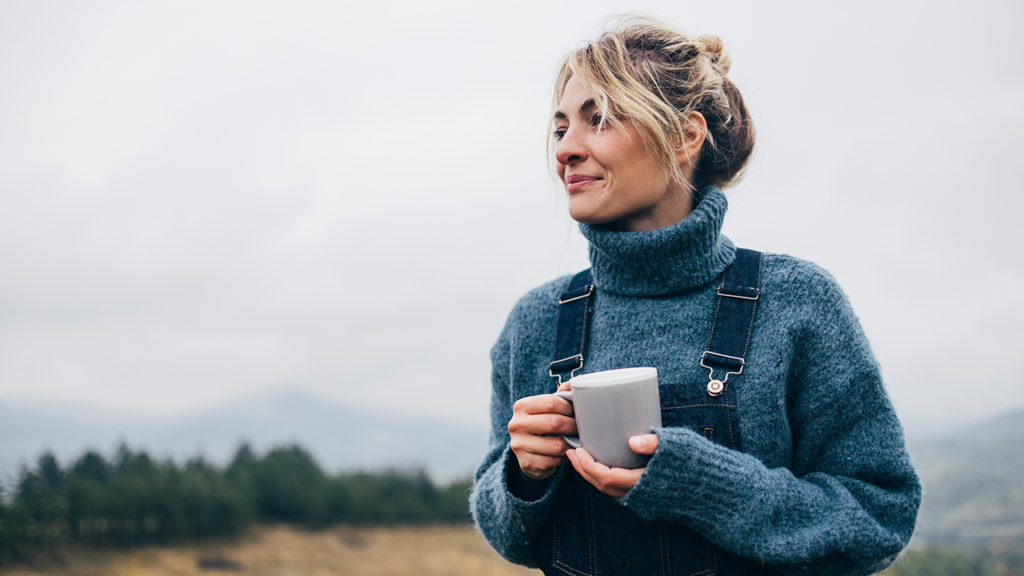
<point x="284" y="551"/>
<point x="287" y="551"/>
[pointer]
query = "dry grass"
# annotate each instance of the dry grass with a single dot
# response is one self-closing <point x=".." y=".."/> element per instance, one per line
<point x="284" y="551"/>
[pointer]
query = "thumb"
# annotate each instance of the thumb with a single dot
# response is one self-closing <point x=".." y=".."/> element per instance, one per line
<point x="644" y="443"/>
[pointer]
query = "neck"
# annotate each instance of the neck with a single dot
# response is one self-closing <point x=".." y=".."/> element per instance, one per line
<point x="672" y="259"/>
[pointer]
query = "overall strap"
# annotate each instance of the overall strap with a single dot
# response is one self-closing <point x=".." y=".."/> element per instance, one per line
<point x="575" y="307"/>
<point x="734" y="318"/>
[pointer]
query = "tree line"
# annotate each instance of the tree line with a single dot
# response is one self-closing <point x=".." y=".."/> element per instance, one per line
<point x="133" y="499"/>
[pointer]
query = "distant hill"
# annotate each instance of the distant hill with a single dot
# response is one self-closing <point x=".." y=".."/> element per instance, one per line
<point x="973" y="485"/>
<point x="339" y="437"/>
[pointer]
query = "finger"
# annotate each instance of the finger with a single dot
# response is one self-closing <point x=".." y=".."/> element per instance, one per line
<point x="574" y="458"/>
<point x="583" y="463"/>
<point x="564" y="386"/>
<point x="551" y="446"/>
<point x="562" y="406"/>
<point x="542" y="425"/>
<point x="612" y="481"/>
<point x="644" y="443"/>
<point x="593" y="469"/>
<point x="554" y="424"/>
<point x="542" y="404"/>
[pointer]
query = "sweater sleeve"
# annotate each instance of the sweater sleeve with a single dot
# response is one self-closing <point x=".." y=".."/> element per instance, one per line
<point x="846" y="504"/>
<point x="509" y="522"/>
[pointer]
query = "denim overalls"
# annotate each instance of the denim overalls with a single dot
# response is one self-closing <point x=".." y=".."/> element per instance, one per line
<point x="589" y="533"/>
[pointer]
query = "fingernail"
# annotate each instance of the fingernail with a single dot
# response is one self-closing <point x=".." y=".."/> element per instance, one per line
<point x="639" y="442"/>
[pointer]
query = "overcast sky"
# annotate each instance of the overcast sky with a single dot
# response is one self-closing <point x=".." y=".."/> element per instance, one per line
<point x="205" y="200"/>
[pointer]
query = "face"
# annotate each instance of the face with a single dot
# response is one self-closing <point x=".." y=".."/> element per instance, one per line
<point x="610" y="177"/>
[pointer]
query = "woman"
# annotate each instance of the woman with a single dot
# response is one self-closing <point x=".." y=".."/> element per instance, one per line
<point x="780" y="451"/>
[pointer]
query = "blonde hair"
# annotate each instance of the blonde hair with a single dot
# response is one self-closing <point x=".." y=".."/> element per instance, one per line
<point x="646" y="73"/>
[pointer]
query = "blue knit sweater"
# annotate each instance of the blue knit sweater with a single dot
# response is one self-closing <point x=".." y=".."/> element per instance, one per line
<point x="823" y="485"/>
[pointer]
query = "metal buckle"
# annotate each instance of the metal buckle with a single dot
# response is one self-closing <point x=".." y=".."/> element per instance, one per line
<point x="590" y="290"/>
<point x="711" y="370"/>
<point x="756" y="296"/>
<point x="572" y="372"/>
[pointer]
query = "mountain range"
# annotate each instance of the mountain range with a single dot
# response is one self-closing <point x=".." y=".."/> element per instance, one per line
<point x="340" y="438"/>
<point x="973" y="482"/>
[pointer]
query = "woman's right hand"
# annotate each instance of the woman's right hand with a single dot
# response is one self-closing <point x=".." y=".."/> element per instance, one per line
<point x="536" y="429"/>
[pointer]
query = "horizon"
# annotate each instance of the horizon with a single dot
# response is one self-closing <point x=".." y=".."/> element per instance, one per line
<point x="62" y="407"/>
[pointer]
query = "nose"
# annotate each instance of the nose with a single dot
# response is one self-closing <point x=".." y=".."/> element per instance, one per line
<point x="571" y="149"/>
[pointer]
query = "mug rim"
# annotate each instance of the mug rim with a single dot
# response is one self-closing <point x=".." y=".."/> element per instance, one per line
<point x="615" y="376"/>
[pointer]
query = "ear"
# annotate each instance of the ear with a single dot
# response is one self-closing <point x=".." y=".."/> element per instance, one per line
<point x="695" y="128"/>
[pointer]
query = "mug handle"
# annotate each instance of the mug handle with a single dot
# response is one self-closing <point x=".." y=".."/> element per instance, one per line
<point x="572" y="441"/>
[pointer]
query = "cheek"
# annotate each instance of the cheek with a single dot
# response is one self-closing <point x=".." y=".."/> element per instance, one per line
<point x="647" y="177"/>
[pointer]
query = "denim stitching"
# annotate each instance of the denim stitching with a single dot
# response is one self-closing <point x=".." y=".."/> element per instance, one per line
<point x="554" y="352"/>
<point x="592" y="537"/>
<point x="556" y="549"/>
<point x="583" y="333"/>
<point x="570" y="570"/>
<point x="714" y="323"/>
<point x="666" y="558"/>
<point x="558" y="562"/>
<point x="753" y="309"/>
<point x="728" y="419"/>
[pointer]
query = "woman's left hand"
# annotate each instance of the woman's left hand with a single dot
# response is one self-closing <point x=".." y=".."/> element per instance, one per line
<point x="612" y="481"/>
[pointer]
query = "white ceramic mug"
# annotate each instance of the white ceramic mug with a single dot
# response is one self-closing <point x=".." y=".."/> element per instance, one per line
<point x="610" y="407"/>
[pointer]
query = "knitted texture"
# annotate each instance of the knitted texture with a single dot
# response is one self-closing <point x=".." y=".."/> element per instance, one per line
<point x="823" y="484"/>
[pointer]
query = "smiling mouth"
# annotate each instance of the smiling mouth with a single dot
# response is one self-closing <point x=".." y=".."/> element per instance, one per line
<point x="576" y="182"/>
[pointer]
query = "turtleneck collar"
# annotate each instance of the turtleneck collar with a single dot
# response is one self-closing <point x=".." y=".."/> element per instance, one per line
<point x="669" y="260"/>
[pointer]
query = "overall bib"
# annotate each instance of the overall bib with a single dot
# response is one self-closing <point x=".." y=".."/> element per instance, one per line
<point x="589" y="533"/>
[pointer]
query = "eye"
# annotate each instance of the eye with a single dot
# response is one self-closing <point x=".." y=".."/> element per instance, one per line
<point x="600" y="121"/>
<point x="559" y="133"/>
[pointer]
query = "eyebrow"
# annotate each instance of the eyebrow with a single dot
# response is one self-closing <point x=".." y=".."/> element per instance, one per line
<point x="587" y="105"/>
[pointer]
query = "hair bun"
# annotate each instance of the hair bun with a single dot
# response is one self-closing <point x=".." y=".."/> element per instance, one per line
<point x="712" y="46"/>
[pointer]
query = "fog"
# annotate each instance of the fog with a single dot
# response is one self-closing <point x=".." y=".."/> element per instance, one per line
<point x="201" y="201"/>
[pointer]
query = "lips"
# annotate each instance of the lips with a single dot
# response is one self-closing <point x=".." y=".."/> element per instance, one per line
<point x="575" y="182"/>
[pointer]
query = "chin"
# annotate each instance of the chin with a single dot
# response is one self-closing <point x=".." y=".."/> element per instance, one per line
<point x="589" y="219"/>
<point x="583" y="215"/>
<point x="609" y="223"/>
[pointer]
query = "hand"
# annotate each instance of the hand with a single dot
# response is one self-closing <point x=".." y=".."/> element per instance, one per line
<point x="612" y="481"/>
<point x="535" y="431"/>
